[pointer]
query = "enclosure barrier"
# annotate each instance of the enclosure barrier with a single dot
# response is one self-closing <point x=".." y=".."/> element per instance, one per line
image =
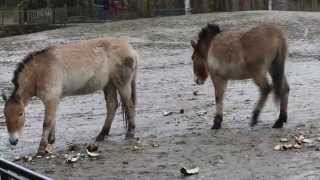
<point x="12" y="171"/>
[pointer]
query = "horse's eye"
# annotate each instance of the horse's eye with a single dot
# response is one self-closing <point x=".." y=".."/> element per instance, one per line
<point x="21" y="113"/>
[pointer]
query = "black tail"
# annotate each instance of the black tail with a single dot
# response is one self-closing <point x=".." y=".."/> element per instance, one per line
<point x="277" y="71"/>
<point x="125" y="110"/>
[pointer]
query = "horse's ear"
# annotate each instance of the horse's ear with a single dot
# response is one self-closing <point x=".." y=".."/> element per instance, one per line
<point x="194" y="44"/>
<point x="4" y="97"/>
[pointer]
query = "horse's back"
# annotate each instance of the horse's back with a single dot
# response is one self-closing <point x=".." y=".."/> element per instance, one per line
<point x="239" y="54"/>
<point x="86" y="66"/>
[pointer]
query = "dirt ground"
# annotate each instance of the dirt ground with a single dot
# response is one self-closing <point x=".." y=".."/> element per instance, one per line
<point x="165" y="83"/>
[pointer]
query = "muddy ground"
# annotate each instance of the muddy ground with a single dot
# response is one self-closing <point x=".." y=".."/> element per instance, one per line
<point x="165" y="83"/>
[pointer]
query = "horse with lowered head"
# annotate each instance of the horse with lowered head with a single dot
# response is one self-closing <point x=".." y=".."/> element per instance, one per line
<point x="243" y="55"/>
<point x="107" y="64"/>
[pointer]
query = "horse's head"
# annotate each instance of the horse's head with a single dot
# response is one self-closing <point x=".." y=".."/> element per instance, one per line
<point x="200" y="52"/>
<point x="200" y="68"/>
<point x="14" y="114"/>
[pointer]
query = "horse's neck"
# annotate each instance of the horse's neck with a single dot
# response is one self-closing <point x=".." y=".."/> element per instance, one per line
<point x="26" y="88"/>
<point x="205" y="47"/>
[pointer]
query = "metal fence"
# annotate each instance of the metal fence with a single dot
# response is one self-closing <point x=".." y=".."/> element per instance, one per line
<point x="12" y="171"/>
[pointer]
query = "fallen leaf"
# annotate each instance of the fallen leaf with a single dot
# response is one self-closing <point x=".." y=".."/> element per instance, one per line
<point x="284" y="140"/>
<point x="49" y="149"/>
<point x="155" y="145"/>
<point x="188" y="172"/>
<point x="307" y="141"/>
<point x="297" y="146"/>
<point x="287" y="146"/>
<point x="166" y="113"/>
<point x="72" y="159"/>
<point x="92" y="154"/>
<point x="277" y="147"/>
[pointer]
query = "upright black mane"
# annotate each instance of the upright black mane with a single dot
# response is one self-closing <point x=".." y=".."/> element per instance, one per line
<point x="208" y="32"/>
<point x="20" y="66"/>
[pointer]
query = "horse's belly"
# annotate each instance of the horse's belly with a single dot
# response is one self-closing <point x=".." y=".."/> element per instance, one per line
<point x="231" y="71"/>
<point x="237" y="72"/>
<point x="84" y="85"/>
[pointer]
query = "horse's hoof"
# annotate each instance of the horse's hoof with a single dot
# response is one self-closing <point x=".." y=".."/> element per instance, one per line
<point x="278" y="125"/>
<point x="216" y="126"/>
<point x="130" y="135"/>
<point x="99" y="138"/>
<point x="253" y="123"/>
<point x="41" y="153"/>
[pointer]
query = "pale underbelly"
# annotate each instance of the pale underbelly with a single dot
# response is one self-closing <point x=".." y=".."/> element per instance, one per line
<point x="88" y="87"/>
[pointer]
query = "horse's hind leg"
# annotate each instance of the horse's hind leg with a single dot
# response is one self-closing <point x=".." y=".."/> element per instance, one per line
<point x="283" y="105"/>
<point x="110" y="94"/>
<point x="219" y="87"/>
<point x="127" y="98"/>
<point x="265" y="88"/>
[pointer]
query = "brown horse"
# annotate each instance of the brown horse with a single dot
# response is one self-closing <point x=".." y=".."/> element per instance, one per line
<point x="107" y="64"/>
<point x="243" y="55"/>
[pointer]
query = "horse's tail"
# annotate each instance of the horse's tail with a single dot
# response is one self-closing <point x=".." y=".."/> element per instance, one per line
<point x="133" y="96"/>
<point x="277" y="69"/>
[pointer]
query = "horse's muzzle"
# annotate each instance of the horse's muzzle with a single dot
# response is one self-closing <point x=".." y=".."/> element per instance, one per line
<point x="13" y="139"/>
<point x="199" y="81"/>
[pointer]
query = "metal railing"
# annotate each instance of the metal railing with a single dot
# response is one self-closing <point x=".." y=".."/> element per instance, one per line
<point x="10" y="171"/>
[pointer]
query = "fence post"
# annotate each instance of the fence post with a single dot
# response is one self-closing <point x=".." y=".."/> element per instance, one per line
<point x="270" y="5"/>
<point x="2" y="18"/>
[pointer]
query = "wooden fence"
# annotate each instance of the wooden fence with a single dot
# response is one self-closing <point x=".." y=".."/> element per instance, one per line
<point x="296" y="5"/>
<point x="39" y="16"/>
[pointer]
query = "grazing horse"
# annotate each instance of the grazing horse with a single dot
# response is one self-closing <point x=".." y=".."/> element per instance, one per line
<point x="107" y="64"/>
<point x="243" y="55"/>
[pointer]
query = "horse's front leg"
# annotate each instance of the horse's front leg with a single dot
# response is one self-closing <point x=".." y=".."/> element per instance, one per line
<point x="49" y="123"/>
<point x="219" y="87"/>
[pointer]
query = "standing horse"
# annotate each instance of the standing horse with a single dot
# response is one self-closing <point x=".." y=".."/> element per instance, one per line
<point x="107" y="64"/>
<point x="243" y="55"/>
